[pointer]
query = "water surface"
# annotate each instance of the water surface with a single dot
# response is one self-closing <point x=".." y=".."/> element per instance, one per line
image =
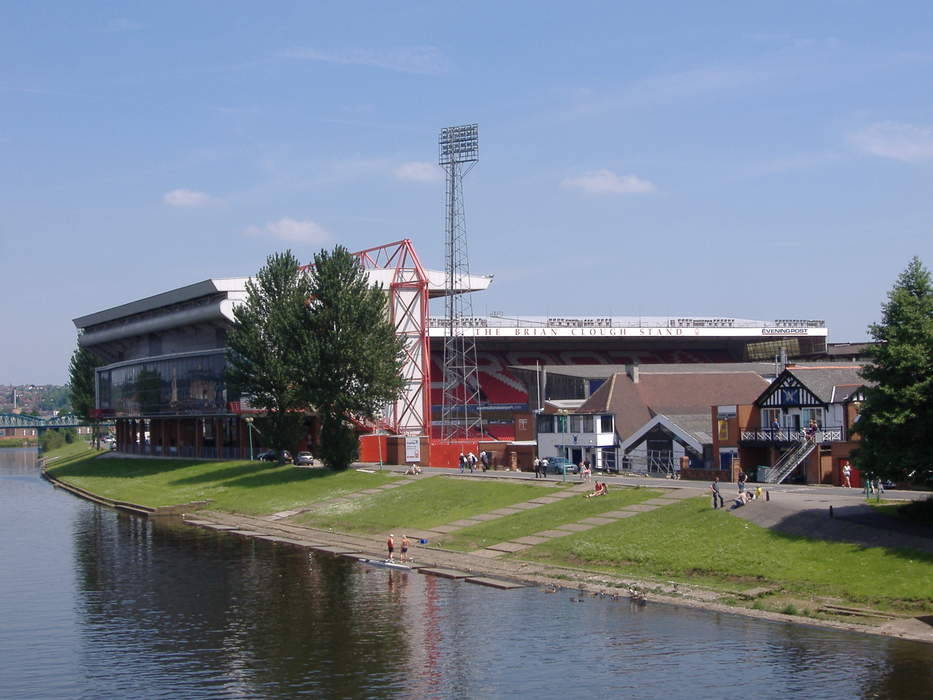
<point x="95" y="603"/>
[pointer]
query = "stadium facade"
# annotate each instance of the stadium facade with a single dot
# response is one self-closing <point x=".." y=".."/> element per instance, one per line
<point x="163" y="377"/>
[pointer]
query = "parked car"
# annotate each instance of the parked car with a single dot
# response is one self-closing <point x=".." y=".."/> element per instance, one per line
<point x="267" y="456"/>
<point x="561" y="465"/>
<point x="304" y="459"/>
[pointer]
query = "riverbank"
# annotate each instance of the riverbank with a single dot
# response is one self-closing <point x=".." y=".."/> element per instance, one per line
<point x="679" y="551"/>
<point x="17" y="442"/>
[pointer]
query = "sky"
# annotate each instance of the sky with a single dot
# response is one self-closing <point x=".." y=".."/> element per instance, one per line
<point x="720" y="159"/>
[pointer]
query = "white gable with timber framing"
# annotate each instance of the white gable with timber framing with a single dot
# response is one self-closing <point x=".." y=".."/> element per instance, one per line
<point x="786" y="391"/>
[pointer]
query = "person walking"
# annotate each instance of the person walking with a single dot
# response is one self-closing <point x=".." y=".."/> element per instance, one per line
<point x="717" y="497"/>
<point x="544" y="468"/>
<point x="537" y="465"/>
<point x="743" y="477"/>
<point x="463" y="462"/>
<point x="847" y="476"/>
<point x="390" y="545"/>
<point x="471" y="461"/>
<point x="484" y="459"/>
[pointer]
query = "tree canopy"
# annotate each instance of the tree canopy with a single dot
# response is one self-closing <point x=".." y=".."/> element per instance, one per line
<point x="896" y="419"/>
<point x="81" y="381"/>
<point x="82" y="385"/>
<point x="265" y="345"/>
<point x="319" y="340"/>
<point x="353" y="361"/>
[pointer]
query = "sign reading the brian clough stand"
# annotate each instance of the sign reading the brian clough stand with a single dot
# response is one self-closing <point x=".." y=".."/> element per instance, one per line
<point x="620" y="331"/>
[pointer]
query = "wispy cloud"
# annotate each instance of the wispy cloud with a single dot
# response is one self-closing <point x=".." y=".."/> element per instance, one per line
<point x="905" y="142"/>
<point x="599" y="182"/>
<point x="421" y="60"/>
<point x="187" y="199"/>
<point x="292" y="230"/>
<point x="418" y="171"/>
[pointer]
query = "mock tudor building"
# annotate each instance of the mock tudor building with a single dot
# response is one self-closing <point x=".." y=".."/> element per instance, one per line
<point x="771" y="431"/>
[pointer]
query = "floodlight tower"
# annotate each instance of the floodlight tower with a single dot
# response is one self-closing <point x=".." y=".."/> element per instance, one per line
<point x="460" y="414"/>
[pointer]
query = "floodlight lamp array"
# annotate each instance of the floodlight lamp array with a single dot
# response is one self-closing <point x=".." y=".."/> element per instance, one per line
<point x="459" y="144"/>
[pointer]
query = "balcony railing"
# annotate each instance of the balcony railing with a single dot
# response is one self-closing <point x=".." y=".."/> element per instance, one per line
<point x="785" y="435"/>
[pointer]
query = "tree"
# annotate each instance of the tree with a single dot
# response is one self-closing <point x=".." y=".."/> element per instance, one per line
<point x="81" y="387"/>
<point x="352" y="364"/>
<point x="896" y="418"/>
<point x="265" y="345"/>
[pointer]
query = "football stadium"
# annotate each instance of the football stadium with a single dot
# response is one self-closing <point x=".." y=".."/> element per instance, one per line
<point x="162" y="380"/>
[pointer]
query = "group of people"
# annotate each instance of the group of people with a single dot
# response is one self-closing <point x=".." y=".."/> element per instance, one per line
<point x="469" y="461"/>
<point x="743" y="497"/>
<point x="390" y="545"/>
<point x="540" y="466"/>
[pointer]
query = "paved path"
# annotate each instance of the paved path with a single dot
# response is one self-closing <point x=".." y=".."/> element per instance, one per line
<point x="584" y="524"/>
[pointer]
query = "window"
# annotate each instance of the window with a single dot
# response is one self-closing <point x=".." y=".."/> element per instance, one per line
<point x="561" y="424"/>
<point x="605" y="424"/>
<point x="769" y="416"/>
<point x="545" y="423"/>
<point x="576" y="424"/>
<point x="587" y="424"/>
<point x="808" y="414"/>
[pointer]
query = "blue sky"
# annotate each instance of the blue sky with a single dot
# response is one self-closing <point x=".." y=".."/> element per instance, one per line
<point x="756" y="160"/>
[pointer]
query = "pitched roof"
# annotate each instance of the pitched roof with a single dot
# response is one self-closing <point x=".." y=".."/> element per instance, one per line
<point x="680" y="394"/>
<point x="822" y="380"/>
<point x="695" y="393"/>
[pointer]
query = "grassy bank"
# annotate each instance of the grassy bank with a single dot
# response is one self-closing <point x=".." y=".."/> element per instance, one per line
<point x="69" y="452"/>
<point x="251" y="488"/>
<point x="546" y="517"/>
<point x="689" y="542"/>
<point x="423" y="505"/>
<point x="685" y="541"/>
<point x="17" y="442"/>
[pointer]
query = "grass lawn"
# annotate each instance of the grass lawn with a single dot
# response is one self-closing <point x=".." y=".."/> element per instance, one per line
<point x="690" y="542"/>
<point x="17" y="442"/>
<point x="549" y="516"/>
<point x="424" y="504"/>
<point x="239" y="486"/>
<point x="69" y="452"/>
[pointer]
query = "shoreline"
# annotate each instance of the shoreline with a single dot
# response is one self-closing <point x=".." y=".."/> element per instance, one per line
<point x="551" y="577"/>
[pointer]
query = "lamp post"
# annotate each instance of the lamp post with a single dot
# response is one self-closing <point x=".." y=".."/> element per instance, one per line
<point x="249" y="429"/>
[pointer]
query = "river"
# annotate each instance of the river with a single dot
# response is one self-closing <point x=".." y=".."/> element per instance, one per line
<point x="95" y="603"/>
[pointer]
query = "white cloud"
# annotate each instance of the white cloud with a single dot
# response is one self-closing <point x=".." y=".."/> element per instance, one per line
<point x="418" y="171"/>
<point x="904" y="142"/>
<point x="187" y="199"/>
<point x="607" y="182"/>
<point x="422" y="60"/>
<point x="292" y="230"/>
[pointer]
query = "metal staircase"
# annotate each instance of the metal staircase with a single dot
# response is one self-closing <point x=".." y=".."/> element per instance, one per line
<point x="789" y="461"/>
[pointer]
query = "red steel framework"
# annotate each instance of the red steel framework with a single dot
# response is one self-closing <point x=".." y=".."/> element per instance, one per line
<point x="407" y="286"/>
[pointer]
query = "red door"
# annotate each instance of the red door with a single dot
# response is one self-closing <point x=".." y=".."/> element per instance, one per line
<point x="855" y="477"/>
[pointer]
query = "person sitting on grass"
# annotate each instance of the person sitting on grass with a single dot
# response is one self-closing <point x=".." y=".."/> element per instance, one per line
<point x="599" y="490"/>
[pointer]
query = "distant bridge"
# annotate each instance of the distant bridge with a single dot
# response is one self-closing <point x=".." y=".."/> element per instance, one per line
<point x="19" y="420"/>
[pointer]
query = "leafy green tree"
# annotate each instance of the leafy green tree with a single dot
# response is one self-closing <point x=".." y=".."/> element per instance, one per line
<point x="896" y="419"/>
<point x="352" y="362"/>
<point x="265" y="345"/>
<point x="81" y="388"/>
